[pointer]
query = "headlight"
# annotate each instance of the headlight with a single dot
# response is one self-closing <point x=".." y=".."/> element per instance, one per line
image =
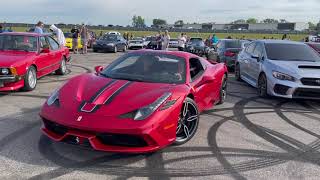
<point x="146" y="111"/>
<point x="4" y="71"/>
<point x="110" y="44"/>
<point x="282" y="76"/>
<point x="54" y="97"/>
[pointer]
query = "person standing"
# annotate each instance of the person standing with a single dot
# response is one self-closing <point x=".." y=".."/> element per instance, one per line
<point x="84" y="38"/>
<point x="214" y="39"/>
<point x="39" y="28"/>
<point x="182" y="42"/>
<point x="165" y="40"/>
<point x="208" y="41"/>
<point x="59" y="34"/>
<point x="159" y="40"/>
<point x="75" y="38"/>
<point x="284" y="37"/>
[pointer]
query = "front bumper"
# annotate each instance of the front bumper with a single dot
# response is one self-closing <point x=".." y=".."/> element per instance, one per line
<point x="11" y="83"/>
<point x="99" y="47"/>
<point x="126" y="136"/>
<point x="292" y="90"/>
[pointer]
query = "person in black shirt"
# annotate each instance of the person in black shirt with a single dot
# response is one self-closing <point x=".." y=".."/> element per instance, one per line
<point x="75" y="35"/>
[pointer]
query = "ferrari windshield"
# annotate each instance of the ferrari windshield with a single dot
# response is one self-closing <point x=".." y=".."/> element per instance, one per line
<point x="18" y="42"/>
<point x="148" y="67"/>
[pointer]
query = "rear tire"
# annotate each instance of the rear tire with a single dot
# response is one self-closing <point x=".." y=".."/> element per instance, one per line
<point x="188" y="122"/>
<point x="63" y="67"/>
<point x="95" y="50"/>
<point x="115" y="49"/>
<point x="262" y="86"/>
<point x="30" y="80"/>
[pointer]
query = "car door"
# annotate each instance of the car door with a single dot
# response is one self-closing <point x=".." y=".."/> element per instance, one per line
<point x="245" y="66"/>
<point x="255" y="65"/>
<point x="43" y="59"/>
<point x="220" y="51"/>
<point x="56" y="53"/>
<point x="200" y="90"/>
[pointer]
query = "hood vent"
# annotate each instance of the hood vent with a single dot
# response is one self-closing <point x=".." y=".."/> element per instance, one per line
<point x="309" y="67"/>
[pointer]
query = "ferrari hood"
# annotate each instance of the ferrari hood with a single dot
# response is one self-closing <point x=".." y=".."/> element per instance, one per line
<point x="90" y="93"/>
<point x="12" y="58"/>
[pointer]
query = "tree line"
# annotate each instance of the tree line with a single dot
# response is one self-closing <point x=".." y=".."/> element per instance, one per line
<point x="139" y="22"/>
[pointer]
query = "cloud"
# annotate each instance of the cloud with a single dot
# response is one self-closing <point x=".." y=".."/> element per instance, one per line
<point x="120" y="11"/>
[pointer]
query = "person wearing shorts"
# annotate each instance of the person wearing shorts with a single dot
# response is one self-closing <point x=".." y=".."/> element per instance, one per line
<point x="84" y="38"/>
<point x="75" y="36"/>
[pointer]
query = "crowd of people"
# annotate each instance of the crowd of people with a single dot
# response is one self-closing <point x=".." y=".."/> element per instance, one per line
<point x="82" y="33"/>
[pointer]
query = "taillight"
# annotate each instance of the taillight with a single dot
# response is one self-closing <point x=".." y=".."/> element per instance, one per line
<point x="229" y="54"/>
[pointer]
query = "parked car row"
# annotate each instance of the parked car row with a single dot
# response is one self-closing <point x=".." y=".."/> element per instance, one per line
<point x="147" y="100"/>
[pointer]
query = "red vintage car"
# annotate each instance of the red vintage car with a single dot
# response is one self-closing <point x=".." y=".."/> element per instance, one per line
<point x="25" y="57"/>
<point x="142" y="102"/>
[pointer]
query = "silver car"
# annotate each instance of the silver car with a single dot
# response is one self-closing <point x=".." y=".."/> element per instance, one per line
<point x="280" y="68"/>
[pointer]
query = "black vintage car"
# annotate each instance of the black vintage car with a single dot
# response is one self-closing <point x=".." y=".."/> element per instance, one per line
<point x="110" y="43"/>
<point x="197" y="46"/>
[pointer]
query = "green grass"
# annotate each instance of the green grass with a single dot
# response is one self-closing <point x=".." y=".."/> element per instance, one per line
<point x="294" y="37"/>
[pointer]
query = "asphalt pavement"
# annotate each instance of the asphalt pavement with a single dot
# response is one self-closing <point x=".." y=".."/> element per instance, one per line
<point x="245" y="138"/>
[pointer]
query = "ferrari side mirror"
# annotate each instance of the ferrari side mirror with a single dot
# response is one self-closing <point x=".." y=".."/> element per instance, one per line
<point x="98" y="69"/>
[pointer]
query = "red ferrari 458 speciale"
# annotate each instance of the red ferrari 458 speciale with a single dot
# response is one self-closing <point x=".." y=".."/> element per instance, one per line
<point x="142" y="102"/>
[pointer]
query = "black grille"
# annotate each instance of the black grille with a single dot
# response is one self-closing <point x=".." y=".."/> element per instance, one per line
<point x="121" y="140"/>
<point x="309" y="67"/>
<point x="281" y="89"/>
<point x="73" y="140"/>
<point x="307" y="93"/>
<point x="311" y="81"/>
<point x="55" y="128"/>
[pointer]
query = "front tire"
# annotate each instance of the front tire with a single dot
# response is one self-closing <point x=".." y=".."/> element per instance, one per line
<point x="223" y="90"/>
<point x="188" y="122"/>
<point x="30" y="80"/>
<point x="115" y="49"/>
<point x="124" y="49"/>
<point x="237" y="72"/>
<point x="63" y="67"/>
<point x="262" y="86"/>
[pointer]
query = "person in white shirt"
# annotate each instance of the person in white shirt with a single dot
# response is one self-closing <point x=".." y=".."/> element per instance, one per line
<point x="165" y="40"/>
<point x="59" y="34"/>
<point x="182" y="42"/>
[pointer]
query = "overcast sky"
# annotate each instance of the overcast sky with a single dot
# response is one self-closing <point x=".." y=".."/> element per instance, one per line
<point x="121" y="11"/>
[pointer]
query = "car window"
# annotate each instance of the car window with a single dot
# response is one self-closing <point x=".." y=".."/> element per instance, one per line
<point x="258" y="51"/>
<point x="196" y="68"/>
<point x="220" y="44"/>
<point x="43" y="43"/>
<point x="18" y="43"/>
<point x="53" y="43"/>
<point x="250" y="48"/>
<point x="233" y="44"/>
<point x="291" y="52"/>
